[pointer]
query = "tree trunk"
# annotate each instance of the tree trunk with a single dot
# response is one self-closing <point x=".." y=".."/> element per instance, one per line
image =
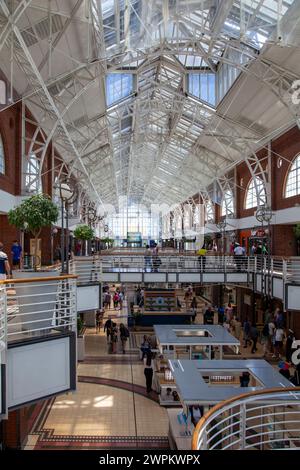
<point x="35" y="265"/>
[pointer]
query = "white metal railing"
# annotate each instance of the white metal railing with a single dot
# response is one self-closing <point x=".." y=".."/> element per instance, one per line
<point x="2" y="319"/>
<point x="288" y="269"/>
<point x="261" y="420"/>
<point x="40" y="306"/>
<point x="87" y="269"/>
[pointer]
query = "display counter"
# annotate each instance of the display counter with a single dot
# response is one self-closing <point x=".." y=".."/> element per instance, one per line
<point x="203" y="384"/>
<point x="195" y="341"/>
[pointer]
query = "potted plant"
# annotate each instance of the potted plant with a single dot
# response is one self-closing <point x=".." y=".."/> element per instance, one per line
<point x="83" y="233"/>
<point x="32" y="215"/>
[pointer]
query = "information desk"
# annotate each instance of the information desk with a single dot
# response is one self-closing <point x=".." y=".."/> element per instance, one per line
<point x="194" y="341"/>
<point x="206" y="383"/>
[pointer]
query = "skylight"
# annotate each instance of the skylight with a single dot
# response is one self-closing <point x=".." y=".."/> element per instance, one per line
<point x="118" y="87"/>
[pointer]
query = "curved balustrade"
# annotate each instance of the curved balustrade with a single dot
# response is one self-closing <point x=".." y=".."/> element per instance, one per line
<point x="261" y="420"/>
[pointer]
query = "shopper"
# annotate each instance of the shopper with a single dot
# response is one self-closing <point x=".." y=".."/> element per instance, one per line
<point x="194" y="308"/>
<point x="288" y="345"/>
<point x="196" y="414"/>
<point x="114" y="337"/>
<point x="254" y="338"/>
<point x="16" y="251"/>
<point x="271" y="338"/>
<point x="121" y="299"/>
<point x="107" y="327"/>
<point x="4" y="264"/>
<point x="156" y="262"/>
<point x="57" y="255"/>
<point x="245" y="379"/>
<point x="279" y="335"/>
<point x="221" y="315"/>
<point x="148" y="370"/>
<point x="116" y="300"/>
<point x="202" y="258"/>
<point x="99" y="316"/>
<point x="145" y="346"/>
<point x="239" y="256"/>
<point x="147" y="258"/>
<point x="265" y="339"/>
<point x="209" y="316"/>
<point x="237" y="327"/>
<point x="124" y="335"/>
<point x="246" y="329"/>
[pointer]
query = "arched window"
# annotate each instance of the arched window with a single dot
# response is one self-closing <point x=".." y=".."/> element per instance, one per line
<point x="256" y="193"/>
<point x="32" y="181"/>
<point x="292" y="187"/>
<point x="227" y="203"/>
<point x="2" y="157"/>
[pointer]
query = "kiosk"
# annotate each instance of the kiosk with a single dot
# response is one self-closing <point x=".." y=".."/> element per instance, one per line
<point x="187" y="342"/>
<point x="206" y="383"/>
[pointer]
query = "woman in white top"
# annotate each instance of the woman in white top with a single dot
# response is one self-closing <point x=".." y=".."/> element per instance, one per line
<point x="148" y="370"/>
<point x="279" y="335"/>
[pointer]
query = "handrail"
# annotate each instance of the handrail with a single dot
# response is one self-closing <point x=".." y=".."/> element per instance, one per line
<point x="201" y="423"/>
<point x="37" y="279"/>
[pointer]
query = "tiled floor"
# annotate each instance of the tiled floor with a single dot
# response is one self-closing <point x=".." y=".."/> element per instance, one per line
<point x="110" y="408"/>
<point x="99" y="415"/>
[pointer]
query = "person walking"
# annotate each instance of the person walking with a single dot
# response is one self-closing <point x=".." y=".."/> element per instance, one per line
<point x="16" y="251"/>
<point x="124" y="335"/>
<point x="239" y="256"/>
<point x="194" y="308"/>
<point x="265" y="339"/>
<point x="246" y="329"/>
<point x="288" y="345"/>
<point x="254" y="338"/>
<point x="107" y="327"/>
<point x="202" y="258"/>
<point x="279" y="335"/>
<point x="145" y="346"/>
<point x="148" y="370"/>
<point x="4" y="264"/>
<point x="237" y="327"/>
<point x="114" y="337"/>
<point x="147" y="258"/>
<point x="209" y="316"/>
<point x="99" y="316"/>
<point x="116" y="300"/>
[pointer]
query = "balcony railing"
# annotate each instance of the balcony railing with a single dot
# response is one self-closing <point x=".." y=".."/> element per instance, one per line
<point x="289" y="269"/>
<point x="38" y="306"/>
<point x="261" y="420"/>
<point x="87" y="269"/>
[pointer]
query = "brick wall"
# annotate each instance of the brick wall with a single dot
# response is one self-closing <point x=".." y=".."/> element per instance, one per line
<point x="10" y="130"/>
<point x="283" y="240"/>
<point x="8" y="234"/>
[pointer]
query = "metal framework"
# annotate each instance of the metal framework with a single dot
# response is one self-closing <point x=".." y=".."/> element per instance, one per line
<point x="159" y="144"/>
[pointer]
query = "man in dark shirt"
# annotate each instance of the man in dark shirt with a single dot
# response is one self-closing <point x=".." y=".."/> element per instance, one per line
<point x="16" y="251"/>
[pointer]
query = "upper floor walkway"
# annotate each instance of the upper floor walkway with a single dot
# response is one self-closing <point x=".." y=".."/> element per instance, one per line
<point x="272" y="276"/>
